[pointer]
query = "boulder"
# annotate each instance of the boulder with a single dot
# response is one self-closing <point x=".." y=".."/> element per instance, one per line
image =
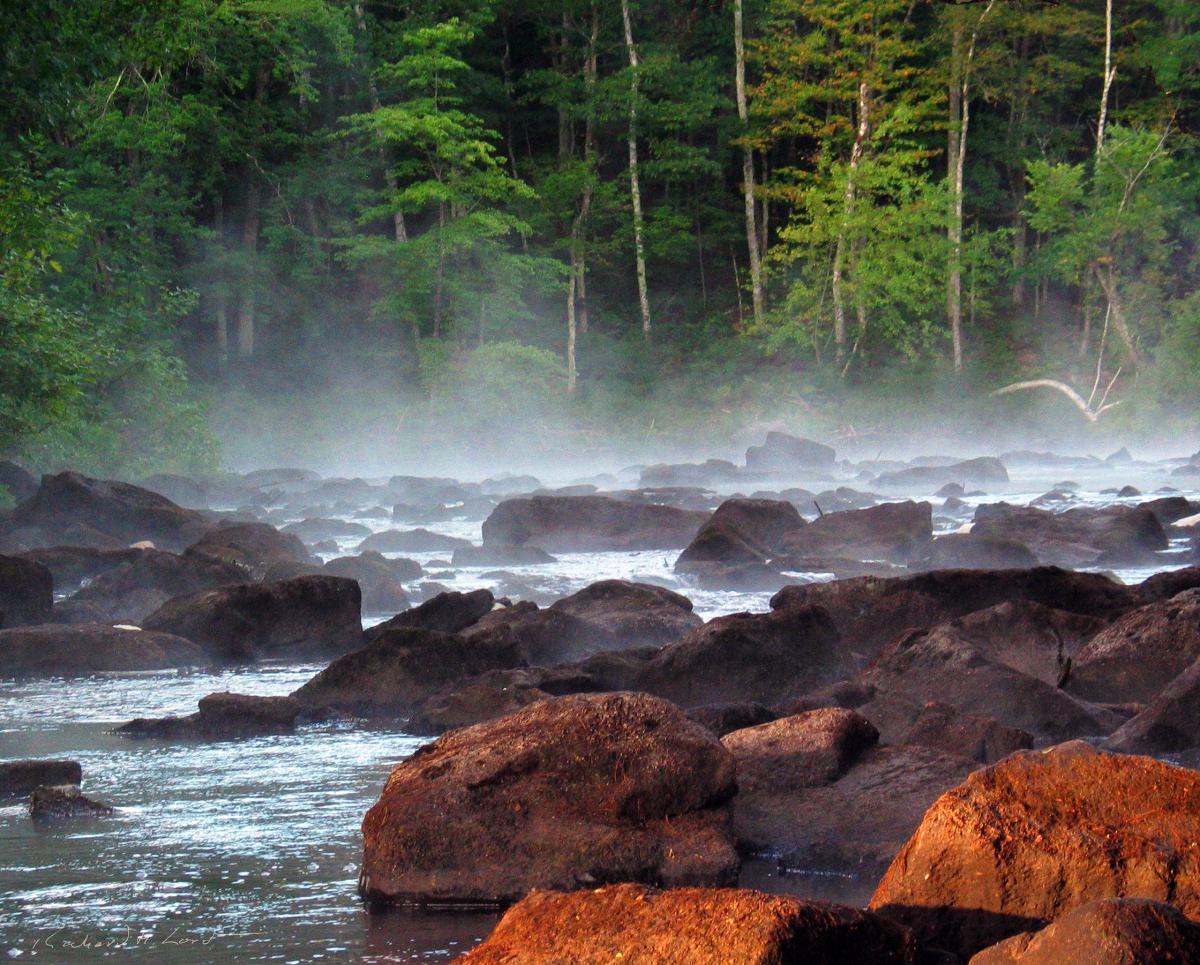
<point x="723" y="719"/>
<point x="699" y="926"/>
<point x="222" y="716"/>
<point x="312" y="616"/>
<point x="757" y="658"/>
<point x="782" y="453"/>
<point x="122" y="513"/>
<point x="256" y="547"/>
<point x="806" y="750"/>
<point x="411" y="541"/>
<point x="1139" y="654"/>
<point x="496" y="693"/>
<point x="1084" y="536"/>
<point x="584" y="524"/>
<point x="542" y="636"/>
<point x="711" y="472"/>
<point x="1114" y="931"/>
<point x="181" y="490"/>
<point x="983" y="471"/>
<point x="495" y="554"/>
<point x="616" y="669"/>
<point x="635" y="614"/>
<point x="869" y="611"/>
<point x="315" y="529"/>
<point x="1163" y="586"/>
<point x="23" y="777"/>
<point x="380" y="579"/>
<point x="893" y="532"/>
<point x="586" y="789"/>
<point x="52" y="803"/>
<point x="1169" y="723"/>
<point x="73" y="651"/>
<point x="393" y="673"/>
<point x="1170" y="509"/>
<point x="972" y="551"/>
<point x="939" y="664"/>
<point x="1021" y="843"/>
<point x="741" y="531"/>
<point x="447" y="612"/>
<point x="26" y="591"/>
<point x="981" y="739"/>
<point x="71" y="565"/>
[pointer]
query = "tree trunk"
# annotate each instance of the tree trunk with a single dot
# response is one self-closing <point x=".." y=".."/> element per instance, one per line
<point x="839" y="256"/>
<point x="250" y="226"/>
<point x="222" y="299"/>
<point x="399" y="230"/>
<point x="752" y="241"/>
<point x="1110" y="73"/>
<point x="571" y="327"/>
<point x="635" y="191"/>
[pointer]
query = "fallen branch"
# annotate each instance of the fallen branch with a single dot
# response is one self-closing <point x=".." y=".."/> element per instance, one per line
<point x="1085" y="407"/>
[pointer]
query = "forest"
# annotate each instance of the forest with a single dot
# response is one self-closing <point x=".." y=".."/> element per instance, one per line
<point x="566" y="219"/>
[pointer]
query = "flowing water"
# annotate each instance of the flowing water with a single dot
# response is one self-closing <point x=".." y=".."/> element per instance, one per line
<point x="248" y="851"/>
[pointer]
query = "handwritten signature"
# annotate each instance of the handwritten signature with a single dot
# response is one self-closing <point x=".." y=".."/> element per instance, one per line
<point x="61" y="940"/>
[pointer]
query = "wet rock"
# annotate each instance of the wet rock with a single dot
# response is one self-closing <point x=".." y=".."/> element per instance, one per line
<point x="781" y="453"/>
<point x="586" y="788"/>
<point x="894" y="532"/>
<point x="26" y="591"/>
<point x="951" y="490"/>
<point x="222" y="716"/>
<point x="983" y="471"/>
<point x="722" y="926"/>
<point x="806" y="750"/>
<point x="499" y="555"/>
<point x="616" y="669"/>
<point x="981" y="739"/>
<point x="939" y="664"/>
<point x="70" y="504"/>
<point x="869" y="611"/>
<point x="1023" y="842"/>
<point x="380" y="579"/>
<point x="72" y="651"/>
<point x="635" y="614"/>
<point x="1163" y="586"/>
<point x="1169" y="723"/>
<point x="1142" y="652"/>
<point x="448" y="612"/>
<point x="256" y="547"/>
<point x="22" y="777"/>
<point x="19" y="483"/>
<point x="50" y="804"/>
<point x="71" y="565"/>
<point x="1083" y="536"/>
<point x="308" y="617"/>
<point x="759" y="658"/>
<point x="1115" y="931"/>
<point x="411" y="541"/>
<point x="712" y="472"/>
<point x="542" y="636"/>
<point x="314" y="530"/>
<point x="1171" y="509"/>
<point x="973" y="551"/>
<point x="396" y="671"/>
<point x="723" y="719"/>
<point x="582" y="524"/>
<point x="741" y="531"/>
<point x="132" y="591"/>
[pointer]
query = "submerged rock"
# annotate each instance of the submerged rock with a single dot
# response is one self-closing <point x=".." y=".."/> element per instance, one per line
<point x="710" y="926"/>
<point x="222" y="716"/>
<point x="585" y="789"/>
<point x="50" y="804"/>
<point x="1023" y="842"/>
<point x="72" y="651"/>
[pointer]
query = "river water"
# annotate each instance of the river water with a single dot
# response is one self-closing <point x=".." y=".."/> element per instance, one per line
<point x="248" y="851"/>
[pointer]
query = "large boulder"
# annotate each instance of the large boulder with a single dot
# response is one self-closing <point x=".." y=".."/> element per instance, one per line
<point x="222" y="716"/>
<point x="1021" y="843"/>
<point x="762" y="658"/>
<point x="980" y="739"/>
<point x="893" y="532"/>
<point x="740" y="531"/>
<point x="411" y="541"/>
<point x="635" y="614"/>
<point x="939" y="664"/>
<point x="983" y="471"/>
<point x="448" y="612"/>
<point x="1169" y="723"/>
<point x="22" y="777"/>
<point x="1114" y="931"/>
<point x="580" y="790"/>
<point x="119" y="511"/>
<point x="398" y="670"/>
<point x="73" y="651"/>
<point x="1142" y="652"/>
<point x="781" y="453"/>
<point x="256" y="547"/>
<point x="582" y="524"/>
<point x="1163" y="586"/>
<point x="132" y="591"/>
<point x="870" y="611"/>
<point x="699" y="926"/>
<point x="542" y="636"/>
<point x="312" y="616"/>
<point x="26" y="591"/>
<point x="1084" y="536"/>
<point x="380" y="579"/>
<point x="496" y="693"/>
<point x="974" y="552"/>
<point x="71" y="565"/>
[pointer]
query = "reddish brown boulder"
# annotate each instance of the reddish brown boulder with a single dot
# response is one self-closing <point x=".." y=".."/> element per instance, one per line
<point x="760" y="658"/>
<point x="981" y="739"/>
<point x="740" y="531"/>
<point x="1168" y="724"/>
<point x="1084" y="536"/>
<point x="222" y="716"/>
<point x="448" y="612"/>
<point x="1019" y="844"/>
<point x="1140" y="653"/>
<point x="543" y="636"/>
<point x="308" y="617"/>
<point x="380" y="579"/>
<point x="1163" y="586"/>
<point x="26" y="591"/>
<point x="563" y="794"/>
<point x="806" y="750"/>
<point x="1115" y="931"/>
<point x="723" y="719"/>
<point x="699" y="926"/>
<point x="894" y="532"/>
<point x="256" y="547"/>
<point x="582" y="524"/>
<point x="972" y="551"/>
<point x="73" y="651"/>
<point x="636" y="614"/>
